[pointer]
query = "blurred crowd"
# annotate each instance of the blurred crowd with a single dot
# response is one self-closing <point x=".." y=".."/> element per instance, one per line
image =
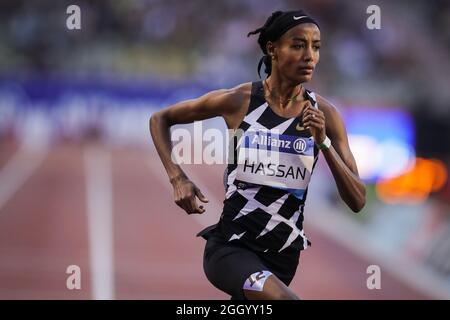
<point x="405" y="63"/>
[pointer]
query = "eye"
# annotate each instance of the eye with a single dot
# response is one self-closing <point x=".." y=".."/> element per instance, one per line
<point x="298" y="46"/>
<point x="316" y="47"/>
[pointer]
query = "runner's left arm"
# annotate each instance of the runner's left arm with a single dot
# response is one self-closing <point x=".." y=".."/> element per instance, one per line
<point x="327" y="121"/>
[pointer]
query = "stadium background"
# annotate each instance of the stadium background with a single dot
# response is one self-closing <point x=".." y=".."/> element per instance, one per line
<point x="81" y="184"/>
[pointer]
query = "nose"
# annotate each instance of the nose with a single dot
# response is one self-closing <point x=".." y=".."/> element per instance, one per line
<point x="308" y="55"/>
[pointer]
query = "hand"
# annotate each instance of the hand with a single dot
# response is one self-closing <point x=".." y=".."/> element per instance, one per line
<point x="314" y="120"/>
<point x="184" y="195"/>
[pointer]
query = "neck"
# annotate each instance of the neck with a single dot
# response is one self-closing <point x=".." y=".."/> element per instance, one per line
<point x="281" y="90"/>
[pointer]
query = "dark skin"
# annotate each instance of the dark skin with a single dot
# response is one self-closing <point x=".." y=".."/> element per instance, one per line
<point x="294" y="57"/>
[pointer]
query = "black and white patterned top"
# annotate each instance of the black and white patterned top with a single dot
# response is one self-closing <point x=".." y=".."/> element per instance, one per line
<point x="267" y="178"/>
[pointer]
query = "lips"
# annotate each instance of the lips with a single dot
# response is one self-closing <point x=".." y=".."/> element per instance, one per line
<point x="306" y="68"/>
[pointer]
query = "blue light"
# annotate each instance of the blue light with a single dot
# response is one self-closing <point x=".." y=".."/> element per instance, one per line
<point x="382" y="141"/>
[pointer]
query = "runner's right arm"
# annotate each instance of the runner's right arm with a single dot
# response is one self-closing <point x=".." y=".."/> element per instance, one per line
<point x="225" y="103"/>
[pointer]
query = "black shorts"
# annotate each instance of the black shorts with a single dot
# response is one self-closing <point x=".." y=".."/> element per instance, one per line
<point x="227" y="265"/>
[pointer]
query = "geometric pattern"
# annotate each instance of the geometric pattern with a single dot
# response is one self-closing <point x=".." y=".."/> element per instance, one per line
<point x="263" y="217"/>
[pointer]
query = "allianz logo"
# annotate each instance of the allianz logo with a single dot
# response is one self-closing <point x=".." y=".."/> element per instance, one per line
<point x="299" y="145"/>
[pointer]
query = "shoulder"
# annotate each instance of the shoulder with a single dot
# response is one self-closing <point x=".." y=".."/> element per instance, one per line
<point x="236" y="96"/>
<point x="243" y="89"/>
<point x="230" y="99"/>
<point x="333" y="119"/>
<point x="237" y="93"/>
<point x="328" y="108"/>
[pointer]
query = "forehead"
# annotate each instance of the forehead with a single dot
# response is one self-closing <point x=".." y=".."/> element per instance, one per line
<point x="305" y="30"/>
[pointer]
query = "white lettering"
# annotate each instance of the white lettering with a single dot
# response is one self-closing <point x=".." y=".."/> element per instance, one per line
<point x="374" y="20"/>
<point x="73" y="22"/>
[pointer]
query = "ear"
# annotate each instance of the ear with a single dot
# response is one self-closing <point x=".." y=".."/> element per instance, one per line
<point x="270" y="47"/>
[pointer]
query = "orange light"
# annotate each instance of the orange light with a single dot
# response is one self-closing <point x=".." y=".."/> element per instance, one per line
<point x="415" y="185"/>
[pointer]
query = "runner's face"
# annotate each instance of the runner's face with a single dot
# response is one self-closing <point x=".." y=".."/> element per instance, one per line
<point x="297" y="52"/>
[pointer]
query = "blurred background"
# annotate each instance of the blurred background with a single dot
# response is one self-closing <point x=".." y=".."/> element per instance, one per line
<point x="81" y="183"/>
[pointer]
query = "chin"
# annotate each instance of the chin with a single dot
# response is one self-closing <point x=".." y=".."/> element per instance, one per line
<point x="304" y="78"/>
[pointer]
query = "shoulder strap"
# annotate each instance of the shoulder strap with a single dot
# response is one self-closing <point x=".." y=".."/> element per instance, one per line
<point x="257" y="96"/>
<point x="311" y="97"/>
